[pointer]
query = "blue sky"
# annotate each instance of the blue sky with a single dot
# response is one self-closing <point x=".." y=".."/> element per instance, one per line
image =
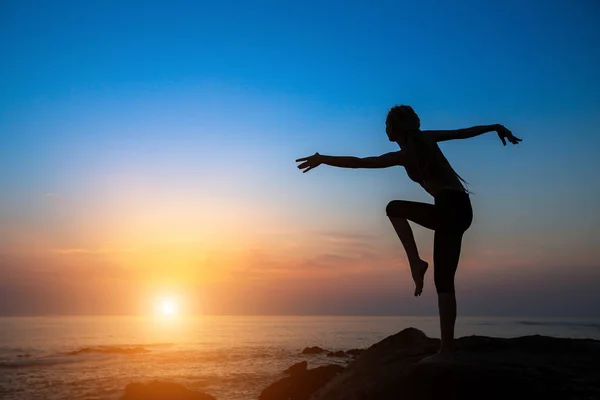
<point x="113" y="110"/>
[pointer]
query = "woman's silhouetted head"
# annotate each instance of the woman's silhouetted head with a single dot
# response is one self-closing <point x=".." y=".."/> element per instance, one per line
<point x="403" y="126"/>
<point x="400" y="121"/>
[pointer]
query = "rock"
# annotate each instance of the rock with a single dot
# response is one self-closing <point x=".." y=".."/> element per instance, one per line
<point x="339" y="353"/>
<point x="313" y="350"/>
<point x="301" y="385"/>
<point x="533" y="367"/>
<point x="297" y="368"/>
<point x="157" y="390"/>
<point x="354" y="352"/>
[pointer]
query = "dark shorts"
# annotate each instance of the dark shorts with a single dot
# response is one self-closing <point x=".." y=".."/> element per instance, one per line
<point x="454" y="211"/>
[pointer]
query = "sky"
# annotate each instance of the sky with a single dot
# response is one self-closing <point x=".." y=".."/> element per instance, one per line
<point x="148" y="149"/>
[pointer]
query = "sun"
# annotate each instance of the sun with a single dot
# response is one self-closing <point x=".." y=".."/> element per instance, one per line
<point x="168" y="307"/>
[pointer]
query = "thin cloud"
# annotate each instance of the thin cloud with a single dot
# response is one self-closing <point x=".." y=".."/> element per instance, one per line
<point x="342" y="237"/>
<point x="91" y="251"/>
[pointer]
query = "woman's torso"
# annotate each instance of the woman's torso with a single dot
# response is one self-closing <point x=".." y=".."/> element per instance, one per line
<point x="443" y="176"/>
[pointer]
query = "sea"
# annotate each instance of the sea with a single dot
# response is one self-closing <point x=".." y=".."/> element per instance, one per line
<point x="229" y="357"/>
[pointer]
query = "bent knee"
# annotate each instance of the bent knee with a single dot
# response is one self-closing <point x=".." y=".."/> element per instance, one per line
<point x="395" y="208"/>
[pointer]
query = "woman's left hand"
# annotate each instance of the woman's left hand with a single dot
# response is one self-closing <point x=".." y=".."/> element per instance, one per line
<point x="504" y="134"/>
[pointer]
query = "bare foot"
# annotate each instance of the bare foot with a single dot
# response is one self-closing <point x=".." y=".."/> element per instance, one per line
<point x="439" y="357"/>
<point x="418" y="269"/>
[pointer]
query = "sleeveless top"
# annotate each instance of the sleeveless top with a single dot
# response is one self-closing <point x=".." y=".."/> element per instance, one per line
<point x="444" y="180"/>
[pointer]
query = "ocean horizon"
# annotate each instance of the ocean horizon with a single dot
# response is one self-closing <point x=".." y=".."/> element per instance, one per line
<point x="230" y="357"/>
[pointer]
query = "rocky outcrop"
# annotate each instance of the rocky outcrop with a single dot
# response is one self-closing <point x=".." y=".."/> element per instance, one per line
<point x="354" y="352"/>
<point x="297" y="368"/>
<point x="162" y="391"/>
<point x="313" y="350"/>
<point x="301" y="384"/>
<point x="531" y="367"/>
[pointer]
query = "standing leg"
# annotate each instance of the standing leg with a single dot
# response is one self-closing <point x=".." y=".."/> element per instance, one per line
<point x="446" y="253"/>
<point x="400" y="212"/>
<point x="455" y="217"/>
<point x="447" y="311"/>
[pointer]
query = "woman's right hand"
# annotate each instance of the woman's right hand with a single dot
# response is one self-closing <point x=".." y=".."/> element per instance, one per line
<point x="504" y="134"/>
<point x="310" y="162"/>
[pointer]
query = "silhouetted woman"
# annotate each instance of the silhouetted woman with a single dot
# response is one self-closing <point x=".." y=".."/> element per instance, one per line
<point x="450" y="215"/>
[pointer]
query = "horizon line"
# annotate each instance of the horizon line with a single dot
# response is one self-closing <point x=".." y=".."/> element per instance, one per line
<point x="75" y="315"/>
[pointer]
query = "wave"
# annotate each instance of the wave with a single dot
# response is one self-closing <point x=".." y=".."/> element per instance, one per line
<point x="162" y="345"/>
<point x="82" y="354"/>
<point x="109" y="350"/>
<point x="41" y="362"/>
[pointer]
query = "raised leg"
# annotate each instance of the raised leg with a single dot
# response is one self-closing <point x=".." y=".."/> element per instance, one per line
<point x="400" y="212"/>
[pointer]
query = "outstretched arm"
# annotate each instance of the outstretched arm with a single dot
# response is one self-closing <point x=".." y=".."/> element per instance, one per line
<point x="382" y="161"/>
<point x="503" y="133"/>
